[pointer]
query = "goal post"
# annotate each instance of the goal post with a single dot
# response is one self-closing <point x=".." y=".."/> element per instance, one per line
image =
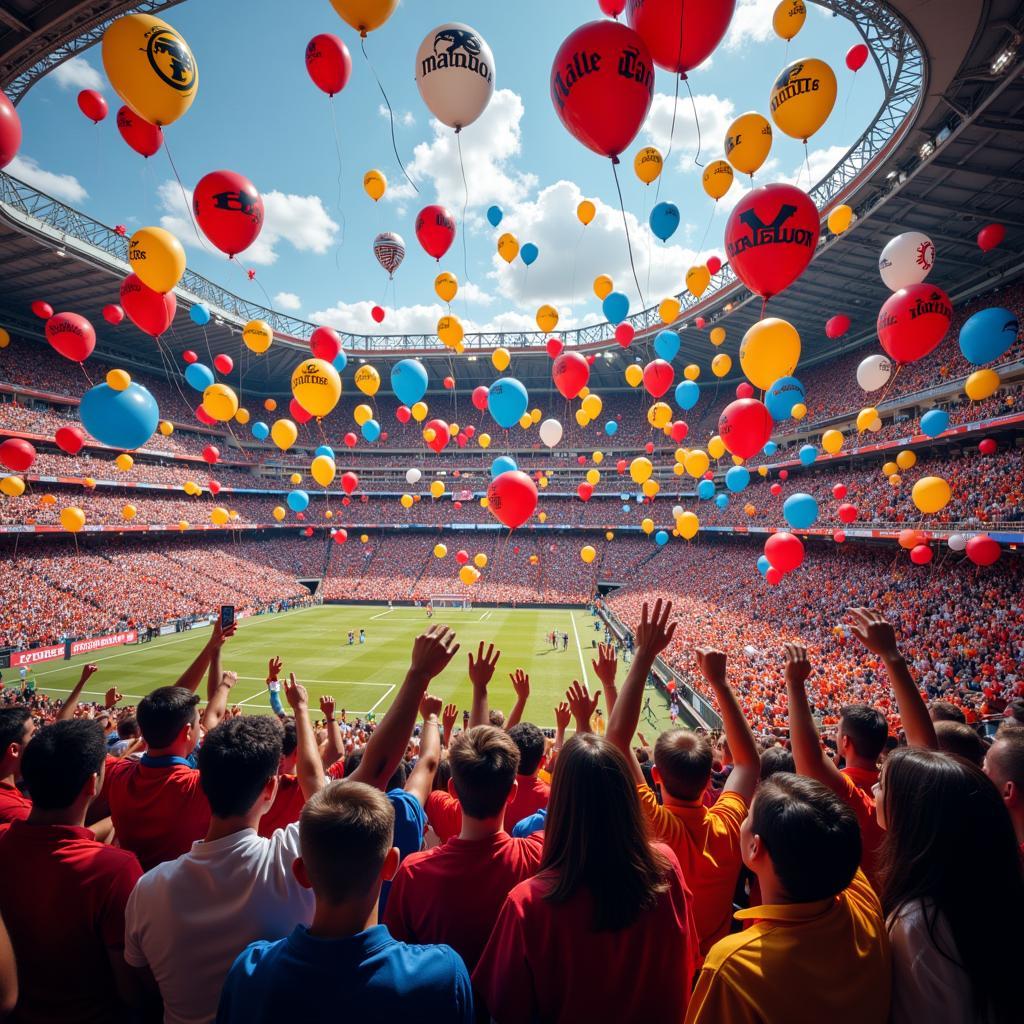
<point x="450" y="601"/>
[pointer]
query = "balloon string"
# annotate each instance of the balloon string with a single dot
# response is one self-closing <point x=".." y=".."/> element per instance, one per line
<point x="86" y="372"/>
<point x="184" y="196"/>
<point x="465" y="204"/>
<point x="625" y="227"/>
<point x="337" y="146"/>
<point x="675" y="104"/>
<point x="714" y="210"/>
<point x="696" y="121"/>
<point x="391" y="113"/>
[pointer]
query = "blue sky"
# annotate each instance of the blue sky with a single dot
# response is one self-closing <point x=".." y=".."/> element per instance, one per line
<point x="258" y="113"/>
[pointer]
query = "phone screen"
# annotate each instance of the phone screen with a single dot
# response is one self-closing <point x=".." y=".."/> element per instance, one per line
<point x="227" y="615"/>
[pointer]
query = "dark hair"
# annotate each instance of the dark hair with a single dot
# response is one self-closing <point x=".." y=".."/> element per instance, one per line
<point x="443" y="773"/>
<point x="345" y="832"/>
<point x="684" y="760"/>
<point x="530" y="741"/>
<point x="496" y="717"/>
<point x="398" y="776"/>
<point x="960" y="739"/>
<point x="60" y="759"/>
<point x="12" y="725"/>
<point x="236" y="760"/>
<point x="164" y="713"/>
<point x="1004" y="761"/>
<point x="943" y="815"/>
<point x="811" y="836"/>
<point x="484" y="761"/>
<point x="595" y="832"/>
<point x="866" y="727"/>
<point x="1015" y="710"/>
<point x="128" y="728"/>
<point x="776" y="759"/>
<point x="944" y="711"/>
<point x="290" y="737"/>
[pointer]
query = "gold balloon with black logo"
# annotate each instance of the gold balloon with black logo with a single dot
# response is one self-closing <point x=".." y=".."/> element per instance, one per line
<point x="316" y="386"/>
<point x="803" y="97"/>
<point x="748" y="141"/>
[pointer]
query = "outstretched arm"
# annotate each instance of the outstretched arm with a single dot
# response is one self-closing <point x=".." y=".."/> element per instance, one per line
<point x="190" y="678"/>
<point x="68" y="710"/>
<point x="335" y="745"/>
<point x="605" y="668"/>
<point x="217" y="706"/>
<point x="273" y="671"/>
<point x="521" y="685"/>
<point x="809" y="758"/>
<point x="582" y="705"/>
<point x="480" y="672"/>
<point x="448" y="719"/>
<point x="421" y="779"/>
<point x="309" y="768"/>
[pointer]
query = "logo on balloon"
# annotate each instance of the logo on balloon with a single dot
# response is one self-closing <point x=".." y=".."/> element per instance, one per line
<point x="170" y="58"/>
<point x="768" y="234"/>
<point x="310" y="374"/>
<point x="463" y="51"/>
<point x="790" y="84"/>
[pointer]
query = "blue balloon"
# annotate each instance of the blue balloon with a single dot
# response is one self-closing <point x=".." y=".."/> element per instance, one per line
<point x="370" y="431"/>
<point x="120" y="419"/>
<point x="199" y="314"/>
<point x="529" y="253"/>
<point x="988" y="334"/>
<point x="661" y="538"/>
<point x="722" y="501"/>
<point x="507" y="400"/>
<point x="198" y="376"/>
<point x="502" y="464"/>
<point x="687" y="394"/>
<point x="611" y="427"/>
<point x="625" y="508"/>
<point x="763" y="565"/>
<point x="615" y="307"/>
<point x="782" y="396"/>
<point x="934" y="422"/>
<point x="770" y="448"/>
<point x="737" y="478"/>
<point x="706" y="490"/>
<point x="409" y="381"/>
<point x="260" y="430"/>
<point x="808" y="454"/>
<point x="340" y="361"/>
<point x="666" y="344"/>
<point x="325" y="449"/>
<point x="664" y="220"/>
<point x="800" y="511"/>
<point x="494" y="215"/>
<point x="298" y="501"/>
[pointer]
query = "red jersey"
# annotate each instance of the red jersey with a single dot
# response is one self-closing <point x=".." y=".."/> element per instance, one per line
<point x="14" y="806"/>
<point x="286" y="808"/>
<point x="531" y="797"/>
<point x="860" y="798"/>
<point x="444" y="814"/>
<point x="452" y="894"/>
<point x="63" y="918"/>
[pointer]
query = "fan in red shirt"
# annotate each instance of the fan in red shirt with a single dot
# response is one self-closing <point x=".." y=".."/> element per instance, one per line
<point x="16" y="729"/>
<point x="531" y="794"/>
<point x="70" y="919"/>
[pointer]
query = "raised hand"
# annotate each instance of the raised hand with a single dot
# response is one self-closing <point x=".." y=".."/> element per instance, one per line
<point x="711" y="663"/>
<point x="563" y="714"/>
<point x="88" y="671"/>
<point x="520" y="683"/>
<point x="327" y="707"/>
<point x="431" y="652"/>
<point x="654" y="633"/>
<point x="607" y="664"/>
<point x="111" y="697"/>
<point x="228" y="679"/>
<point x="221" y="633"/>
<point x="581" y="704"/>
<point x="798" y="666"/>
<point x="430" y="705"/>
<point x="273" y="668"/>
<point x="449" y="717"/>
<point x="481" y="669"/>
<point x="874" y="632"/>
<point x="295" y="693"/>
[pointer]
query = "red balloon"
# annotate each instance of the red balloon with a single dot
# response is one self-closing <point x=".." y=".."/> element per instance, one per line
<point x="714" y="265"/>
<point x="649" y="447"/>
<point x="987" y="446"/>
<point x="93" y="105"/>
<point x="624" y="334"/>
<point x="43" y="310"/>
<point x="211" y="454"/>
<point x="512" y="498"/>
<point x="554" y="347"/>
<point x="837" y="326"/>
<point x="229" y="210"/>
<point x="983" y="550"/>
<point x="383" y="435"/>
<point x="461" y="440"/>
<point x="378" y="314"/>
<point x="856" y="57"/>
<point x="70" y="439"/>
<point x="340" y="536"/>
<point x="297" y="413"/>
<point x="10" y="131"/>
<point x="613" y="8"/>
<point x="308" y="531"/>
<point x="328" y="63"/>
<point x="71" y="335"/>
<point x="921" y="554"/>
<point x="224" y="363"/>
<point x="911" y="538"/>
<point x="145" y="138"/>
<point x="458" y="506"/>
<point x="773" y="576"/>
<point x="989" y="237"/>
<point x="449" y="383"/>
<point x="479" y="397"/>
<point x="470" y="432"/>
<point x="113" y="313"/>
<point x="570" y="372"/>
<point x="584" y="491"/>
<point x="325" y="344"/>
<point x="783" y="474"/>
<point x="745" y="427"/>
<point x="189" y="357"/>
<point x="621" y="466"/>
<point x="403" y="414"/>
<point x="150" y="311"/>
<point x="679" y="431"/>
<point x="700" y="322"/>
<point x="658" y="377"/>
<point x="442" y="434"/>
<point x="771" y="236"/>
<point x="214" y="486"/>
<point x="350" y="440"/>
<point x="602" y="85"/>
<point x="435" y="229"/>
<point x="847" y="513"/>
<point x="839" y="492"/>
<point x="462" y="557"/>
<point x="913" y="321"/>
<point x="349" y="482"/>
<point x="784" y="551"/>
<point x="581" y="459"/>
<point x="17" y="454"/>
<point x="204" y="417"/>
<point x="839" y="536"/>
<point x="776" y="489"/>
<point x="744" y="390"/>
<point x="680" y="35"/>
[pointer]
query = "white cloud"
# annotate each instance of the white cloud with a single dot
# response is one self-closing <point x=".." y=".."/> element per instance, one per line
<point x="820" y="161"/>
<point x="61" y="186"/>
<point x="77" y="73"/>
<point x="470" y="292"/>
<point x="288" y="301"/>
<point x="715" y="116"/>
<point x="752" y="23"/>
<point x="403" y="118"/>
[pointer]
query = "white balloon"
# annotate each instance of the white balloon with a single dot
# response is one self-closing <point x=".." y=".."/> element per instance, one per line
<point x="455" y="74"/>
<point x="677" y="511"/>
<point x="412" y="476"/>
<point x="957" y="541"/>
<point x="551" y="432"/>
<point x="906" y="260"/>
<point x="874" y="372"/>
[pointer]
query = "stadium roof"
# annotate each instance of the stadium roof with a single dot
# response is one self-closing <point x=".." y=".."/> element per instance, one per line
<point x="944" y="156"/>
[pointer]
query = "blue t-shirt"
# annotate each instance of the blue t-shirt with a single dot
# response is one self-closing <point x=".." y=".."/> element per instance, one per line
<point x="529" y="825"/>
<point x="376" y="979"/>
<point x="410" y="821"/>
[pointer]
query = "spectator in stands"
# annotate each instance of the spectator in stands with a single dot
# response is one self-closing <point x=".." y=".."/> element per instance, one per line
<point x="16" y="730"/>
<point x="531" y="794"/>
<point x="1004" y="765"/>
<point x="960" y="739"/>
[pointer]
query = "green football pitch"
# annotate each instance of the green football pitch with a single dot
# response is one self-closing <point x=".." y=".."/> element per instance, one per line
<point x="313" y="643"/>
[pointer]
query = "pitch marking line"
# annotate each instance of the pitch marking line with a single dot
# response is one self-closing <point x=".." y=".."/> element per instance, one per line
<point x="579" y="647"/>
<point x="380" y="615"/>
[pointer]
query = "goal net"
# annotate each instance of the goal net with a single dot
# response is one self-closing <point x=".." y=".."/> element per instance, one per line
<point x="450" y="601"/>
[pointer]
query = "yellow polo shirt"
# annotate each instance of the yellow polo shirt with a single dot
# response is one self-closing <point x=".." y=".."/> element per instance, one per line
<point x="800" y="963"/>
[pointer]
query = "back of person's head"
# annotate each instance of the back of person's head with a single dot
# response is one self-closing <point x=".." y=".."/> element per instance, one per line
<point x="128" y="728"/>
<point x="484" y="762"/>
<point x="1004" y="762"/>
<point x="811" y="836"/>
<point x="959" y="738"/>
<point x="866" y="729"/>
<point x="443" y="773"/>
<point x="530" y="741"/>
<point x="684" y="760"/>
<point x="289" y="738"/>
<point x="345" y="834"/>
<point x="945" y="711"/>
<point x="163" y="713"/>
<point x="496" y="717"/>
<point x="236" y="761"/>
<point x="595" y="832"/>
<point x="776" y="759"/>
<point x="1015" y="710"/>
<point x="13" y="721"/>
<point x="398" y="776"/>
<point x="60" y="760"/>
<point x="943" y="816"/>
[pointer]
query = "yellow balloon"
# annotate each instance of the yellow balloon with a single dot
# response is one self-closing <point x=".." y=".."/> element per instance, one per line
<point x="469" y="575"/>
<point x="375" y="184"/>
<point x="717" y="179"/>
<point x="242" y="416"/>
<point x="361" y="414"/>
<point x="500" y="359"/>
<point x="592" y="406"/>
<point x="363" y="538"/>
<point x="659" y="414"/>
<point x="508" y="247"/>
<point x="634" y="375"/>
<point x="166" y="428"/>
<point x="584" y="391"/>
<point x="547" y="318"/>
<point x="981" y="384"/>
<point x="219" y="515"/>
<point x="749" y="509"/>
<point x="647" y="525"/>
<point x="668" y="310"/>
<point x="692" y="372"/>
<point x="802" y="97"/>
<point x="697" y="280"/>
<point x="118" y="380"/>
<point x="647" y="164"/>
<point x="284" y="433"/>
<point x="865" y="418"/>
<point x="543" y="517"/>
<point x="603" y="284"/>
<point x="543" y="483"/>
<point x="449" y="330"/>
<point x="717" y="336"/>
<point x="257" y="335"/>
<point x="696" y="463"/>
<point x="436" y="488"/>
<point x="840" y="219"/>
<point x="429" y="434"/>
<point x="484" y="440"/>
<point x="609" y="535"/>
<point x="889" y="469"/>
<point x="12" y="486"/>
<point x="453" y="429"/>
<point x="769" y="350"/>
<point x="129" y="512"/>
<point x="447" y="286"/>
<point x="367" y="380"/>
<point x="737" y="461"/>
<point x="931" y="494"/>
<point x="157" y="258"/>
<point x="587" y="553"/>
<point x="365" y="15"/>
<point x="220" y="402"/>
<point x="687" y="525"/>
<point x="716" y="447"/>
<point x="406" y="501"/>
<point x="419" y="411"/>
<point x="640" y="469"/>
<point x="906" y="459"/>
<point x="5" y="338"/>
<point x="150" y="67"/>
<point x="788" y="18"/>
<point x="535" y="415"/>
<point x="832" y="441"/>
<point x="650" y="487"/>
<point x="593" y="477"/>
<point x="762" y="470"/>
<point x="480" y="560"/>
<point x="440" y="551"/>
<point x="296" y="478"/>
<point x="72" y="519"/>
<point x="585" y="212"/>
<point x="582" y="418"/>
<point x="721" y="364"/>
<point x="279" y="513"/>
<point x="323" y="470"/>
<point x="598" y="457"/>
<point x="525" y="422"/>
<point x="748" y="141"/>
<point x="799" y="411"/>
<point x="124" y="462"/>
<point x="895" y="480"/>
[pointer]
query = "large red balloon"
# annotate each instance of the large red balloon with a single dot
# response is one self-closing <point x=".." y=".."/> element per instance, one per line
<point x="570" y="373"/>
<point x="771" y="236"/>
<point x="297" y="413"/>
<point x="658" y="377"/>
<point x="328" y="62"/>
<point x="989" y="237"/>
<point x="784" y="551"/>
<point x="435" y="229"/>
<point x="602" y="85"/>
<point x="229" y="210"/>
<point x="150" y="311"/>
<point x="70" y="439"/>
<point x="512" y="498"/>
<point x="10" y="131"/>
<point x="442" y="434"/>
<point x="745" y="427"/>
<point x="17" y="454"/>
<point x="837" y="326"/>
<point x="680" y="33"/>
<point x="325" y="344"/>
<point x="983" y="550"/>
<point x="145" y="138"/>
<point x="92" y="104"/>
<point x="913" y="321"/>
<point x="71" y="335"/>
